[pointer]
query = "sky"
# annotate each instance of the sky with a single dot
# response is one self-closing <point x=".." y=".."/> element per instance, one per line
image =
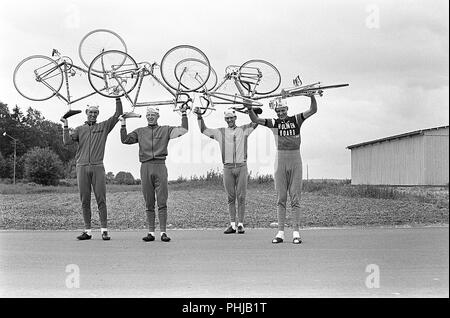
<point x="393" y="54"/>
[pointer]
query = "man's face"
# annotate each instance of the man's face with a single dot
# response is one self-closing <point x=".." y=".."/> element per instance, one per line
<point x="281" y="112"/>
<point x="231" y="121"/>
<point x="92" y="115"/>
<point x="152" y="118"/>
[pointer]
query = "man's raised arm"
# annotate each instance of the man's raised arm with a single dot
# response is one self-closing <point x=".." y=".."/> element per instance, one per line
<point x="181" y="130"/>
<point x="312" y="108"/>
<point x="253" y="117"/>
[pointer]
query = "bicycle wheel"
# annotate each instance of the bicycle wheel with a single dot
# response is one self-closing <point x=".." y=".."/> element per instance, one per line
<point x="119" y="74"/>
<point x="38" y="78"/>
<point x="259" y="77"/>
<point x="98" y="41"/>
<point x="187" y="64"/>
<point x="187" y="74"/>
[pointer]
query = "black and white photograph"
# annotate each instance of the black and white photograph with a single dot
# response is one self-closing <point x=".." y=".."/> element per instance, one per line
<point x="224" y="154"/>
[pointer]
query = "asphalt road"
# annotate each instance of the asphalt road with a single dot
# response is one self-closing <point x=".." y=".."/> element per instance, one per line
<point x="352" y="262"/>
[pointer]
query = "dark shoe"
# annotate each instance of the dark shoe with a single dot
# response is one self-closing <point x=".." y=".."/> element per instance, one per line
<point x="240" y="229"/>
<point x="297" y="240"/>
<point x="165" y="238"/>
<point x="277" y="240"/>
<point x="148" y="238"/>
<point x="105" y="236"/>
<point x="229" y="230"/>
<point x="84" y="236"/>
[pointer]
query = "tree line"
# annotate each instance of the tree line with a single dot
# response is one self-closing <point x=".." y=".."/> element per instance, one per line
<point x="41" y="156"/>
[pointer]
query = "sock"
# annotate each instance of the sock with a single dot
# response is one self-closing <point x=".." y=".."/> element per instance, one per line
<point x="240" y="224"/>
<point x="162" y="233"/>
<point x="152" y="233"/>
<point x="280" y="234"/>
<point x="103" y="229"/>
<point x="295" y="234"/>
<point x="88" y="231"/>
<point x="233" y="225"/>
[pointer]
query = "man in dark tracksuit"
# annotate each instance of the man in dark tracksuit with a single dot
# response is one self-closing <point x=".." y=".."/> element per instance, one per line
<point x="288" y="162"/>
<point x="153" y="141"/>
<point x="91" y="138"/>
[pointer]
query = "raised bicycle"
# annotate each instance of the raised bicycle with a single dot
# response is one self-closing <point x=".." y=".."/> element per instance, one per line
<point x="300" y="90"/>
<point x="39" y="77"/>
<point x="121" y="74"/>
<point x="253" y="78"/>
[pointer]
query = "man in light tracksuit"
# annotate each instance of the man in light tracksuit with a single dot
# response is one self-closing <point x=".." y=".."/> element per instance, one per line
<point x="233" y="146"/>
<point x="91" y="138"/>
<point x="153" y="141"/>
<point x="288" y="162"/>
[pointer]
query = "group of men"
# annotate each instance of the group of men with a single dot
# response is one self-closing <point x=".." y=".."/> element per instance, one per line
<point x="153" y="141"/>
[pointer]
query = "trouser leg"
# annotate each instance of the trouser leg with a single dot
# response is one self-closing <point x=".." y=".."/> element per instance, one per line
<point x="84" y="187"/>
<point x="162" y="193"/>
<point x="295" y="188"/>
<point x="148" y="191"/>
<point x="241" y="191"/>
<point x="99" y="186"/>
<point x="230" y="188"/>
<point x="281" y="189"/>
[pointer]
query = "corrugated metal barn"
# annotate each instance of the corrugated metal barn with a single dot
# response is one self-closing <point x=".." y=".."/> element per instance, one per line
<point x="415" y="158"/>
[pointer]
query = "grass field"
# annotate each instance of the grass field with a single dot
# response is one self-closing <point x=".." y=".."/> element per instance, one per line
<point x="202" y="204"/>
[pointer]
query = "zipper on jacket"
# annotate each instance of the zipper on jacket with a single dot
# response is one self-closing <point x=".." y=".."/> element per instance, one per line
<point x="90" y="146"/>
<point x="234" y="149"/>
<point x="153" y="153"/>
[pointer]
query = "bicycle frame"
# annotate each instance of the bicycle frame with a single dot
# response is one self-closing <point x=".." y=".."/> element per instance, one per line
<point x="304" y="90"/>
<point x="231" y="74"/>
<point x="66" y="68"/>
<point x="146" y="69"/>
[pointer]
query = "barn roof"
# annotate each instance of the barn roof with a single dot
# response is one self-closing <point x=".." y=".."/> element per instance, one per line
<point x="409" y="134"/>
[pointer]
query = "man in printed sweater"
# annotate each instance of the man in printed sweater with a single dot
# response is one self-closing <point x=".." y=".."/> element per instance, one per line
<point x="288" y="162"/>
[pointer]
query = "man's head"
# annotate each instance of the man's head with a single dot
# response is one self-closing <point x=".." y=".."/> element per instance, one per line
<point x="230" y="117"/>
<point x="280" y="107"/>
<point x="92" y="113"/>
<point x="152" y="115"/>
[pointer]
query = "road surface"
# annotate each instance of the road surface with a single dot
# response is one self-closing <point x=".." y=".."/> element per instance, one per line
<point x="347" y="262"/>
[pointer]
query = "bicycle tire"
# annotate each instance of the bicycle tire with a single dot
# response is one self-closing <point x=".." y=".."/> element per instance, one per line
<point x="119" y="62"/>
<point x="177" y="54"/>
<point x="268" y="74"/>
<point x="26" y="82"/>
<point x="98" y="41"/>
<point x="210" y="83"/>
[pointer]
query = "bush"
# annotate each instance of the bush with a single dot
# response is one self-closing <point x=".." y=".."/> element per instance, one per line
<point x="124" y="178"/>
<point x="110" y="178"/>
<point x="43" y="166"/>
